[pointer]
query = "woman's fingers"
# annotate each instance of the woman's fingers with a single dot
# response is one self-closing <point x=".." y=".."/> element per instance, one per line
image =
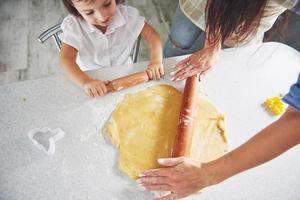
<point x="155" y="172"/>
<point x="161" y="187"/>
<point x="192" y="72"/>
<point x="200" y="62"/>
<point x="183" y="176"/>
<point x="183" y="68"/>
<point x="180" y="67"/>
<point x="182" y="62"/>
<point x="171" y="196"/>
<point x="183" y="72"/>
<point x="150" y="181"/>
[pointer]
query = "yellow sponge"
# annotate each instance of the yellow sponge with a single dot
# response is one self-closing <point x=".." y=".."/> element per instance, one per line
<point x="275" y="105"/>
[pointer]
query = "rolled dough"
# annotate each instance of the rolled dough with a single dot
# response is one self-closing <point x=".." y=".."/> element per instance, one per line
<point x="143" y="128"/>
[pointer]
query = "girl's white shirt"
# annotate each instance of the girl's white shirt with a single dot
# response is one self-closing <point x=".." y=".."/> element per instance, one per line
<point x="97" y="49"/>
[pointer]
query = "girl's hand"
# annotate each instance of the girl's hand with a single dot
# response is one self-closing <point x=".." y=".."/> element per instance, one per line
<point x="198" y="63"/>
<point x="95" y="88"/>
<point x="155" y="70"/>
<point x="182" y="177"/>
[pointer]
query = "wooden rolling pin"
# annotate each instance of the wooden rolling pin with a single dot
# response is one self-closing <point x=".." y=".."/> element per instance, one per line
<point x="183" y="138"/>
<point x="127" y="81"/>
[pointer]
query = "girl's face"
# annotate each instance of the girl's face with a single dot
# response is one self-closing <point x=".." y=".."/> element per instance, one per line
<point x="96" y="12"/>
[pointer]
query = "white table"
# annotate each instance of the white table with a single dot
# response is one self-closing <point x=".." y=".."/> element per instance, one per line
<point x="84" y="164"/>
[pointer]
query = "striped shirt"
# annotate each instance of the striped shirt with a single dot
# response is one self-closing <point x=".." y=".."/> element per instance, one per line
<point x="195" y="11"/>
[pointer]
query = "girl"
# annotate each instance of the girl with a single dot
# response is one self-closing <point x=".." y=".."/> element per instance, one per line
<point x="102" y="33"/>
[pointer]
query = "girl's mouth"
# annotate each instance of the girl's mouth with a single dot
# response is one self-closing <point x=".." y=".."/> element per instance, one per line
<point x="106" y="21"/>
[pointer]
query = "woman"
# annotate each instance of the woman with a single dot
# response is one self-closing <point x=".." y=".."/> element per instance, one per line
<point x="183" y="176"/>
<point x="227" y="24"/>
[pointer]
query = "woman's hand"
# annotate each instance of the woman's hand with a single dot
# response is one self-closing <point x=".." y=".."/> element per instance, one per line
<point x="95" y="88"/>
<point x="155" y="70"/>
<point x="198" y="63"/>
<point x="182" y="176"/>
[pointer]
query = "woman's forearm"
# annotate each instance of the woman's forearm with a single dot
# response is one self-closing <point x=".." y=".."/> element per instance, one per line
<point x="264" y="146"/>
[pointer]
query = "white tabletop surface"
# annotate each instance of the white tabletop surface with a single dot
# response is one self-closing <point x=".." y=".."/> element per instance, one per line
<point x="84" y="164"/>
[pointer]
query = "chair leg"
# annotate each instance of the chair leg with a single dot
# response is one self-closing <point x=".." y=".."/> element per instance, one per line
<point x="57" y="41"/>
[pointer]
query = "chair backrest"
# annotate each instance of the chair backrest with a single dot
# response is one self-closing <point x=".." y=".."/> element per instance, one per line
<point x="55" y="31"/>
<point x="52" y="32"/>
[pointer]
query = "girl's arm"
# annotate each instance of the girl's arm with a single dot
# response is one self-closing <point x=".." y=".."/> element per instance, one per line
<point x="155" y="67"/>
<point x="68" y="63"/>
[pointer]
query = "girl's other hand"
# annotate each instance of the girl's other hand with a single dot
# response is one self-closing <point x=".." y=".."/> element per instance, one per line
<point x="155" y="71"/>
<point x="95" y="88"/>
<point x="198" y="63"/>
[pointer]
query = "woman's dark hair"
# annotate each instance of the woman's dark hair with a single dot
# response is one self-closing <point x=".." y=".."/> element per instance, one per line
<point x="225" y="18"/>
<point x="72" y="10"/>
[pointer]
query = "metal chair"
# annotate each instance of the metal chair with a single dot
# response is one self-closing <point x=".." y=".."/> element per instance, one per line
<point x="55" y="31"/>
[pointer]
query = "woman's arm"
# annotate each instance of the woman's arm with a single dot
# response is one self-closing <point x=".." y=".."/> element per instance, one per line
<point x="269" y="143"/>
<point x="184" y="177"/>
<point x="155" y="67"/>
<point x="68" y="63"/>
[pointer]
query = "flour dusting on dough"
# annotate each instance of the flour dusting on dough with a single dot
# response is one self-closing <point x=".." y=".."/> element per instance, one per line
<point x="159" y="99"/>
<point x="128" y="137"/>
